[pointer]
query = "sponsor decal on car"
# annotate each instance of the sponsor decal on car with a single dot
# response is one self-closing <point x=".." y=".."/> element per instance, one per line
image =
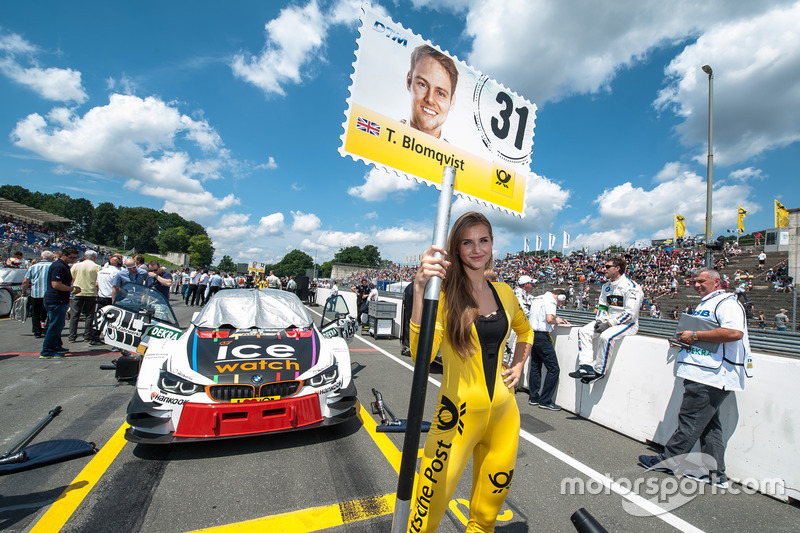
<point x="164" y="332"/>
<point x="260" y="399"/>
<point x="164" y="398"/>
<point x="252" y="366"/>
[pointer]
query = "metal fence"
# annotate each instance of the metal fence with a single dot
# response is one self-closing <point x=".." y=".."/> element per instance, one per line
<point x="783" y="343"/>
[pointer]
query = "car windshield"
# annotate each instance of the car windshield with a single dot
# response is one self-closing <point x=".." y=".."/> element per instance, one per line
<point x="135" y="298"/>
<point x="254" y="308"/>
<point x="12" y="276"/>
<point x="335" y="305"/>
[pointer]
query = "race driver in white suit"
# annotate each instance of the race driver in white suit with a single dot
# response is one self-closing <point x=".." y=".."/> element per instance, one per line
<point x="617" y="316"/>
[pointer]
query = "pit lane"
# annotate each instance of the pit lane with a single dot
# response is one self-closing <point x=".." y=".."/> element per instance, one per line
<point x="337" y="479"/>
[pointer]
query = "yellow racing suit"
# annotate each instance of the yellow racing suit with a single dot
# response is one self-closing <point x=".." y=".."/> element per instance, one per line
<point x="470" y="419"/>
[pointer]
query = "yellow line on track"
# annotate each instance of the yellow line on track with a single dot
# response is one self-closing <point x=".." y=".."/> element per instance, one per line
<point x="69" y="500"/>
<point x="325" y="517"/>
<point x="316" y="518"/>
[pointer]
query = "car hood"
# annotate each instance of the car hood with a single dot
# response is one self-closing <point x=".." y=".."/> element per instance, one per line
<point x="252" y="356"/>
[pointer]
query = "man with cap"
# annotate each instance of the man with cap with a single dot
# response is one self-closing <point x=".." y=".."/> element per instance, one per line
<point x="523" y="294"/>
<point x="782" y="320"/>
<point x="542" y="319"/>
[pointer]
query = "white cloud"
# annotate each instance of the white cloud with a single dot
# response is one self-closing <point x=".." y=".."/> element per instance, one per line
<point x="137" y="140"/>
<point x="57" y="84"/>
<point x="371" y="215"/>
<point x="756" y="102"/>
<point x="544" y="199"/>
<point x="13" y="44"/>
<point x="399" y="235"/>
<point x="578" y="47"/>
<point x="270" y="225"/>
<point x="379" y="185"/>
<point x="305" y="223"/>
<point x="293" y="39"/>
<point x="748" y="174"/>
<point x="677" y="191"/>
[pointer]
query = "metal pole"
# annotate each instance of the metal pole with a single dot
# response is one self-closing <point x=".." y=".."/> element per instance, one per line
<point x="419" y="383"/>
<point x="710" y="174"/>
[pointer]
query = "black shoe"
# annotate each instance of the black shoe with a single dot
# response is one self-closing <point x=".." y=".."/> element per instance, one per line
<point x="715" y="479"/>
<point x="654" y="463"/>
<point x="551" y="406"/>
<point x="584" y="371"/>
<point x="38" y="335"/>
<point x="593" y="379"/>
<point x="96" y="343"/>
<point x="72" y="339"/>
<point x="61" y="349"/>
<point x="533" y="402"/>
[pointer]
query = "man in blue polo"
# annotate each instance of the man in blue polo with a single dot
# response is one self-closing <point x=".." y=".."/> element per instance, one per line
<point x="56" y="301"/>
<point x="36" y="280"/>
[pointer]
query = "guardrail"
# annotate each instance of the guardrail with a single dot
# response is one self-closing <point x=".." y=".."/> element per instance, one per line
<point x="783" y="343"/>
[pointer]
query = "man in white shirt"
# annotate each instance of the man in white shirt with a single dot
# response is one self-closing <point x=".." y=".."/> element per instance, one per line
<point x="524" y="296"/>
<point x="273" y="281"/>
<point x="543" y="318"/>
<point x="708" y="379"/>
<point x="105" y="280"/>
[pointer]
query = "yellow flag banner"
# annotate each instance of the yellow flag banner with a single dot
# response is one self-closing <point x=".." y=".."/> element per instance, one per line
<point x="742" y="214"/>
<point x="781" y="215"/>
<point x="680" y="226"/>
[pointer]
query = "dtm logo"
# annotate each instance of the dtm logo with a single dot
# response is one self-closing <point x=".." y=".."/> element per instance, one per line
<point x="251" y="351"/>
<point x="450" y="417"/>
<point x="501" y="480"/>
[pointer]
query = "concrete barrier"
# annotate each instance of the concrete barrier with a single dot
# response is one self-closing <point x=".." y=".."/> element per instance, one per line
<point x="640" y="397"/>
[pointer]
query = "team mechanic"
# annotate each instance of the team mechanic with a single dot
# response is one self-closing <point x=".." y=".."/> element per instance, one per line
<point x="617" y="315"/>
<point x="476" y="413"/>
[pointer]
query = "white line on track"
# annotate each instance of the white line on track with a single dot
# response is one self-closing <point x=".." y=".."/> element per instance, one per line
<point x="646" y="505"/>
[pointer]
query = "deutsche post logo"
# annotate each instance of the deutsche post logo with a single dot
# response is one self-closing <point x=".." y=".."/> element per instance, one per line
<point x="501" y="480"/>
<point x="503" y="181"/>
<point x="449" y="416"/>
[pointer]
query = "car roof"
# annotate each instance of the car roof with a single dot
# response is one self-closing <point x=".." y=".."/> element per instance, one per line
<point x="254" y="308"/>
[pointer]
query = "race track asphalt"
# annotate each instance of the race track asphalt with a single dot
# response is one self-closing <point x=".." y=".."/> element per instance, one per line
<point x="339" y="479"/>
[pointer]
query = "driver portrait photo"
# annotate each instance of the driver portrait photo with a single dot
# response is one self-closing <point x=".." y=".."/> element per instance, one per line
<point x="431" y="81"/>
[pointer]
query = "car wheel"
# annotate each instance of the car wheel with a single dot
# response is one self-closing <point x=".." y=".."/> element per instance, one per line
<point x="6" y="302"/>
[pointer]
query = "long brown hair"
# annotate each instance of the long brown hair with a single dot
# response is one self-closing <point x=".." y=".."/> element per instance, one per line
<point x="461" y="309"/>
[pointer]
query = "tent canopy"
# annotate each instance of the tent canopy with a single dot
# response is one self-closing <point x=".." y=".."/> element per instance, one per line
<point x="28" y="214"/>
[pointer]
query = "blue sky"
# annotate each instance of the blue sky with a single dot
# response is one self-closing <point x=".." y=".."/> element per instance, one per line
<point x="231" y="115"/>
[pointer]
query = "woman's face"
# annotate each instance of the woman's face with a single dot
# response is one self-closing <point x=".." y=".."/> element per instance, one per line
<point x="475" y="247"/>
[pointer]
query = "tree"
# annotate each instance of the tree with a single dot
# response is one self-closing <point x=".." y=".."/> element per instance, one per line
<point x="227" y="264"/>
<point x="295" y="263"/>
<point x="81" y="211"/>
<point x="193" y="228"/>
<point x="371" y="256"/>
<point x="15" y="193"/>
<point x="173" y="240"/>
<point x="104" y="224"/>
<point x="201" y="250"/>
<point x="325" y="269"/>
<point x="141" y="227"/>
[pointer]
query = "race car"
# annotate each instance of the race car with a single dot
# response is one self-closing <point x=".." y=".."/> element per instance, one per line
<point x="251" y="362"/>
<point x="10" y="287"/>
<point x="137" y="312"/>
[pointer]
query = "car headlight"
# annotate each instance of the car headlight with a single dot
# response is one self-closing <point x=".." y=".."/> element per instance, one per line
<point x="174" y="385"/>
<point x="327" y="376"/>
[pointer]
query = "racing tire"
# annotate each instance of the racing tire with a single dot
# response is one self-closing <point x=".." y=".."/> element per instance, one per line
<point x="6" y="302"/>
